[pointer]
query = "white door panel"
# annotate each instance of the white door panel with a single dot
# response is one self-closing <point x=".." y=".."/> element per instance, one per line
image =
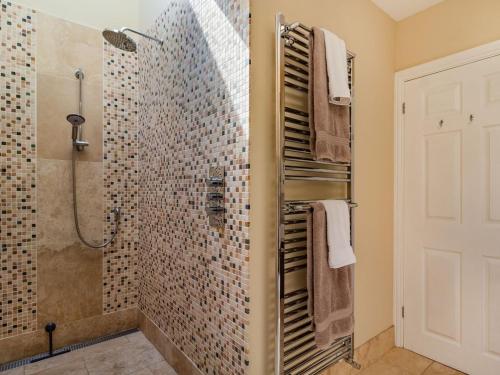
<point x="452" y="217"/>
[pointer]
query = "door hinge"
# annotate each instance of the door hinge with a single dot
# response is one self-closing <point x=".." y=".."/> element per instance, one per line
<point x="404" y="108"/>
<point x="403" y="311"/>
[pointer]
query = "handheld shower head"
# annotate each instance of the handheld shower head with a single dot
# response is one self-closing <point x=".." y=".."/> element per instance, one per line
<point x="120" y="40"/>
<point x="76" y="121"/>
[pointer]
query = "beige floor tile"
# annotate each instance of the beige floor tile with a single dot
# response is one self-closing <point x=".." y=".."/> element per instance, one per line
<point x="103" y="347"/>
<point x="15" y="371"/>
<point x="73" y="368"/>
<point x="406" y="360"/>
<point x="49" y="363"/>
<point x="383" y="368"/>
<point x="439" y="369"/>
<point x="161" y="368"/>
<point x="127" y="355"/>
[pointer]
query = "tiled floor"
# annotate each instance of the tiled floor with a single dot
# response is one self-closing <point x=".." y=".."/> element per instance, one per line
<point x="127" y="355"/>
<point x="134" y="355"/>
<point x="403" y="362"/>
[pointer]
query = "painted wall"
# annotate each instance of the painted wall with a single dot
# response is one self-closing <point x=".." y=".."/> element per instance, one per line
<point x="370" y="34"/>
<point x="93" y="13"/>
<point x="446" y="28"/>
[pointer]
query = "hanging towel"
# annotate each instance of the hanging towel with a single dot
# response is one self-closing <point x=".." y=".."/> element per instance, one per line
<point x="340" y="253"/>
<point x="330" y="291"/>
<point x="336" y="66"/>
<point x="328" y="123"/>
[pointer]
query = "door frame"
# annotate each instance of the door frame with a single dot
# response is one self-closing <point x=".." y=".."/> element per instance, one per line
<point x="401" y="77"/>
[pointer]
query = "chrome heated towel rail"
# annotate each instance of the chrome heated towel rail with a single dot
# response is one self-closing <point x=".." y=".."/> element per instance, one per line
<point x="296" y="352"/>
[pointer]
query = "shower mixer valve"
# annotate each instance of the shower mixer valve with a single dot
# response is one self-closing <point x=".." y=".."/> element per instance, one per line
<point x="215" y="197"/>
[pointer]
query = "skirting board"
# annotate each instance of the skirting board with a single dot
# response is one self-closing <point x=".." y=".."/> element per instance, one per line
<point x="173" y="355"/>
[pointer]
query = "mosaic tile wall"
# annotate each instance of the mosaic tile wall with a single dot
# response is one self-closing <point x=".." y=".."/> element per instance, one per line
<point x="17" y="170"/>
<point x="120" y="156"/>
<point x="193" y="113"/>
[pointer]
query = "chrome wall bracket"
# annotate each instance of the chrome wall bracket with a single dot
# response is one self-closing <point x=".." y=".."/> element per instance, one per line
<point x="215" y="197"/>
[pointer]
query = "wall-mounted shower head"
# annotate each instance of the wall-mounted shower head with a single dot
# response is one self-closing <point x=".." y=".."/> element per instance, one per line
<point x="120" y="40"/>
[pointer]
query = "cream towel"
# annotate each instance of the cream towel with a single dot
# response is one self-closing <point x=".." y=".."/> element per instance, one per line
<point x="336" y="65"/>
<point x="340" y="253"/>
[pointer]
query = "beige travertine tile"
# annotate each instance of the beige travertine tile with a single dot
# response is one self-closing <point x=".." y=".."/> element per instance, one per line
<point x="56" y="228"/>
<point x="169" y="351"/>
<point x="29" y="344"/>
<point x="96" y="326"/>
<point x="73" y="367"/>
<point x="56" y="98"/>
<point x="161" y="368"/>
<point x="64" y="46"/>
<point x="367" y="354"/>
<point x="126" y="355"/>
<point x="69" y="274"/>
<point x="50" y="363"/>
<point x="103" y="347"/>
<point x="406" y="360"/>
<point x="374" y="349"/>
<point x="16" y="371"/>
<point x="439" y="369"/>
<point x="383" y="368"/>
<point x="70" y="286"/>
<point x="341" y="368"/>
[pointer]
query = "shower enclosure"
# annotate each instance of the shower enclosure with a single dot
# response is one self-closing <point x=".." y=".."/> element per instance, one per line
<point x="108" y="139"/>
<point x="69" y="184"/>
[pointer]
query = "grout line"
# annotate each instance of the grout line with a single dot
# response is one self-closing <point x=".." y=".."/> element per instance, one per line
<point x="423" y="372"/>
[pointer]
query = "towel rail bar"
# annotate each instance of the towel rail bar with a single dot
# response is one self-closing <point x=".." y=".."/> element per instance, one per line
<point x="317" y="178"/>
<point x="296" y="68"/>
<point x="296" y="87"/>
<point x="299" y="341"/>
<point x="297" y="59"/>
<point x="297" y="112"/>
<point x="317" y="170"/>
<point x="296" y="77"/>
<point x="297" y="51"/>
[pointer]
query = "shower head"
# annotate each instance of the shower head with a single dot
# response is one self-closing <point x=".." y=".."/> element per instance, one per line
<point x="75" y="120"/>
<point x="120" y="40"/>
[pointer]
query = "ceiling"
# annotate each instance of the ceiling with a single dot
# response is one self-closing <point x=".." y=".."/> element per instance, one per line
<point x="400" y="9"/>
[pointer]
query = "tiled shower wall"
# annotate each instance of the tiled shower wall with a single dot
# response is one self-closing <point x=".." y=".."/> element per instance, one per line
<point x="121" y="188"/>
<point x="46" y="273"/>
<point x="193" y="113"/>
<point x="17" y="170"/>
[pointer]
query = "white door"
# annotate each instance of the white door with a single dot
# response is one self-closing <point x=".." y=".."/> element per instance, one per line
<point x="452" y="217"/>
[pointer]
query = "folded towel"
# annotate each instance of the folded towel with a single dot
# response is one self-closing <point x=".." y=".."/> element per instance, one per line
<point x="330" y="302"/>
<point x="336" y="65"/>
<point x="340" y="253"/>
<point x="328" y="123"/>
